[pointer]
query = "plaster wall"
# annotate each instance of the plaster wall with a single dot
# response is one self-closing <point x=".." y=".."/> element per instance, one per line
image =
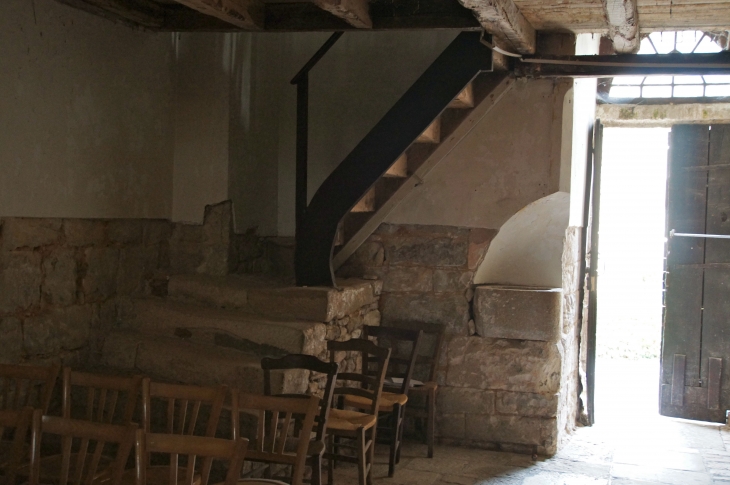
<point x="528" y="249"/>
<point x="510" y="159"/>
<point x="85" y="115"/>
<point x="351" y="88"/>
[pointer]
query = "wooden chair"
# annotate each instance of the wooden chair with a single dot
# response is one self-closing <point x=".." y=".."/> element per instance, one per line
<point x="87" y="441"/>
<point x="231" y="451"/>
<point x="283" y="430"/>
<point x="424" y="391"/>
<point x="179" y="407"/>
<point x="18" y="422"/>
<point x="311" y="364"/>
<point x="404" y="344"/>
<point x="27" y="385"/>
<point x="358" y="425"/>
<point x="102" y="394"/>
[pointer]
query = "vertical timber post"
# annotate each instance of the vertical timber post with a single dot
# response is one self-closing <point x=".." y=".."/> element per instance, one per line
<point x="300" y="197"/>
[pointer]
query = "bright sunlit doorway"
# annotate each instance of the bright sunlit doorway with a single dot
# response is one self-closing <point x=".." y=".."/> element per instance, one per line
<point x="631" y="264"/>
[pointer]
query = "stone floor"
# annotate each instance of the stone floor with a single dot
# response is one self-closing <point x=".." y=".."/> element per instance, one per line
<point x="630" y="445"/>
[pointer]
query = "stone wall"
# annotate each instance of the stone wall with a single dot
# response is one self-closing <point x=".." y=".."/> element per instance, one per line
<point x="500" y="388"/>
<point x="63" y="281"/>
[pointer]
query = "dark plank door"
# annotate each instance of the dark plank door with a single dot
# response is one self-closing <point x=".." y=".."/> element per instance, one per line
<point x="696" y="338"/>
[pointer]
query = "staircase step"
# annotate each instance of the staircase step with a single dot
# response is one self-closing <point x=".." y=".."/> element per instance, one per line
<point x="465" y="99"/>
<point x="432" y="134"/>
<point x="229" y="328"/>
<point x="271" y="298"/>
<point x="385" y="187"/>
<point x="399" y="169"/>
<point x="179" y="360"/>
<point x="367" y="203"/>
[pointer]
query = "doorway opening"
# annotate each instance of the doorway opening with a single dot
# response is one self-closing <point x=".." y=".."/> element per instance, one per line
<point x="631" y="266"/>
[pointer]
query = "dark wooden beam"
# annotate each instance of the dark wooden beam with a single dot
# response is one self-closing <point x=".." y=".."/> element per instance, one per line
<point x="354" y="12"/>
<point x="623" y="65"/>
<point x="623" y="25"/>
<point x="385" y="14"/>
<point x="505" y="22"/>
<point x="244" y="14"/>
<point x="147" y="15"/>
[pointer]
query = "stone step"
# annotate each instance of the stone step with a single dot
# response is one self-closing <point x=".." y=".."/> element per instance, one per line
<point x="235" y="329"/>
<point x="174" y="359"/>
<point x="271" y="298"/>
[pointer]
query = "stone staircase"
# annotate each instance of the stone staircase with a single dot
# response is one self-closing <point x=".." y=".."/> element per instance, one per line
<point x="215" y="329"/>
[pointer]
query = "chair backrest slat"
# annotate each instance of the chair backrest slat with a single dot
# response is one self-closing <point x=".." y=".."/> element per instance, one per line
<point x="27" y="385"/>
<point x="18" y="420"/>
<point x="85" y="433"/>
<point x="206" y="447"/>
<point x="275" y="428"/>
<point x="397" y="339"/>
<point x="183" y="404"/>
<point x="103" y="394"/>
<point x="311" y="364"/>
<point x="371" y="386"/>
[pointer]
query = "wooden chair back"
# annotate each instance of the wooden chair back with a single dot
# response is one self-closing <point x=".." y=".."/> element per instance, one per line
<point x="27" y="385"/>
<point x="430" y="348"/>
<point x="103" y="393"/>
<point x="18" y="422"/>
<point x="311" y="364"/>
<point x="404" y="344"/>
<point x="182" y="406"/>
<point x="367" y="384"/>
<point x="231" y="451"/>
<point x="86" y="441"/>
<point x="279" y="429"/>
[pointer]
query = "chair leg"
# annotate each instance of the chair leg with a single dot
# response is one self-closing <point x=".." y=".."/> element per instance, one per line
<point x="330" y="459"/>
<point x="371" y="454"/>
<point x="401" y="425"/>
<point x="362" y="465"/>
<point x="317" y="470"/>
<point x="395" y="415"/>
<point x="431" y="424"/>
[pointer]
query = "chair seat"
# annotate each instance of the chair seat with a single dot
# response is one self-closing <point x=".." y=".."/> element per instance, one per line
<point x="345" y="420"/>
<point x="50" y="468"/>
<point x="387" y="401"/>
<point x="157" y="475"/>
<point x="425" y="388"/>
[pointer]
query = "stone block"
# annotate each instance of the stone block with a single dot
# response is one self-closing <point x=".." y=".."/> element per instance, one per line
<point x="448" y="309"/>
<point x="433" y="251"/>
<point x="505" y="429"/>
<point x="217" y="225"/>
<point x="61" y="329"/>
<point x="100" y="281"/>
<point x="192" y="233"/>
<point x="451" y="426"/>
<point x="185" y="257"/>
<point x="104" y="316"/>
<point x="421" y="231"/>
<point x="20" y="280"/>
<point x="136" y="264"/>
<point x="120" y="350"/>
<point x="511" y="365"/>
<point x="414" y="278"/>
<point x="59" y="285"/>
<point x="446" y="280"/>
<point x="21" y="232"/>
<point x="84" y="232"/>
<point x="517" y="313"/>
<point x="156" y="231"/>
<point x="479" y="241"/>
<point x="527" y="404"/>
<point x="11" y="340"/>
<point x="453" y="400"/>
<point x="125" y="231"/>
<point x="372" y="318"/>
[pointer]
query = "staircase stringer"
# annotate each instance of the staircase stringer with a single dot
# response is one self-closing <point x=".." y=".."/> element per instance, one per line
<point x="502" y="84"/>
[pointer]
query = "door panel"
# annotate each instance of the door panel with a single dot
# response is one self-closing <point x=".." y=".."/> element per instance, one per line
<point x="697" y="306"/>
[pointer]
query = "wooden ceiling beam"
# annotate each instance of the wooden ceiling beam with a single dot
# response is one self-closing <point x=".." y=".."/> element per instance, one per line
<point x="354" y="12"/>
<point x="244" y="14"/>
<point x="623" y="25"/>
<point x="505" y="22"/>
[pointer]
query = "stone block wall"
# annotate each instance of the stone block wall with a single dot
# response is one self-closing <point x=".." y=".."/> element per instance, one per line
<point x="497" y="390"/>
<point x="63" y="281"/>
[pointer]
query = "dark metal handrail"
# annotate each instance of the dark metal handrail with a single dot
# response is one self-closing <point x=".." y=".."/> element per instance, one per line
<point x="302" y="82"/>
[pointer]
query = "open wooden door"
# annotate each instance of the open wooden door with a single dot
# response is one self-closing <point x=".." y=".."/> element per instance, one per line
<point x="695" y="379"/>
